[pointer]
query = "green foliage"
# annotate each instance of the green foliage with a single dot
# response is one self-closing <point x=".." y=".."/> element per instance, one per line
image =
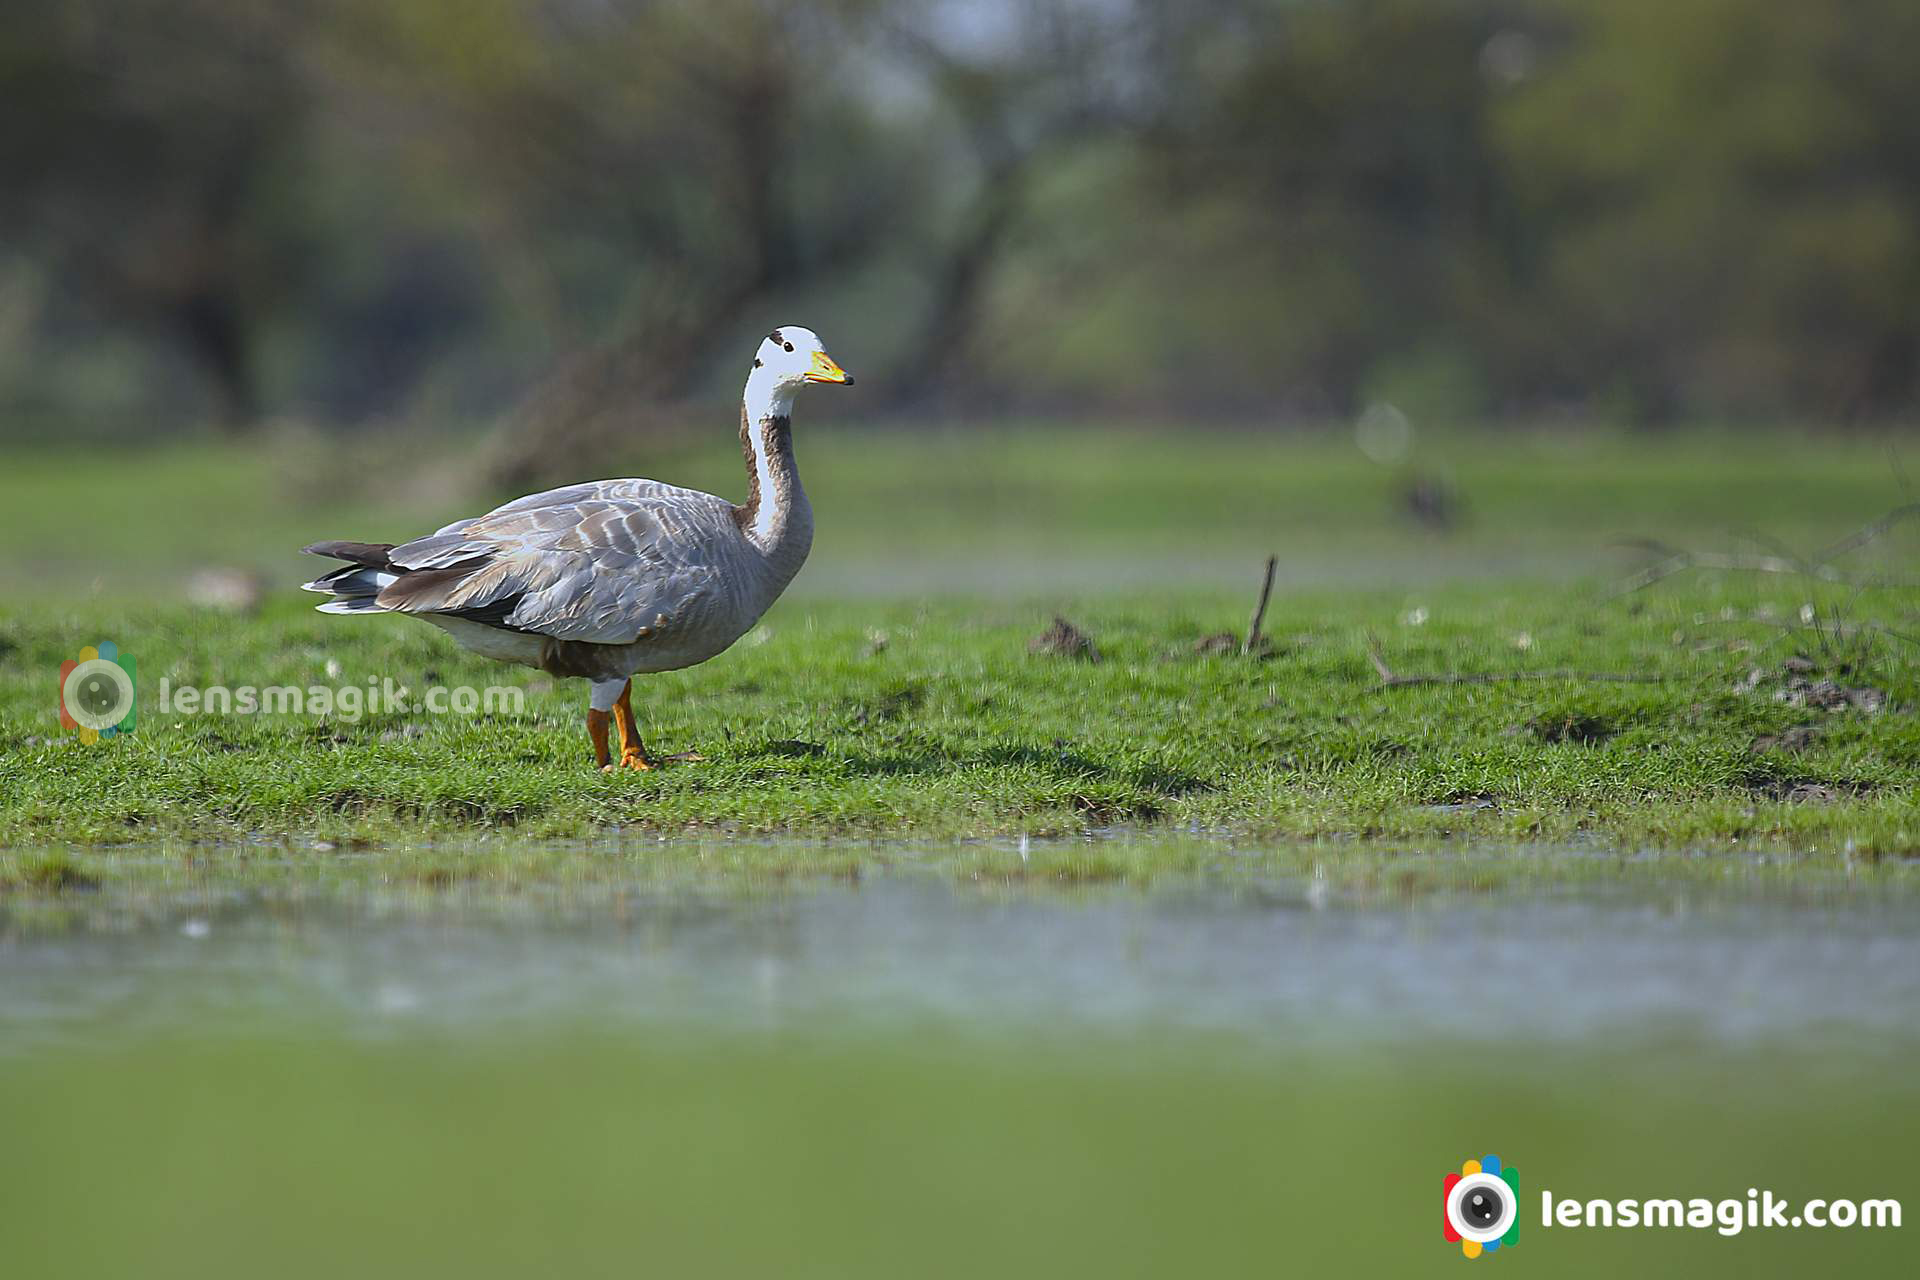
<point x="157" y="188"/>
<point x="366" y="210"/>
<point x="1722" y="199"/>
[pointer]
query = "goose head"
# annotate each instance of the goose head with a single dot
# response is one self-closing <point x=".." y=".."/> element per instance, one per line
<point x="791" y="357"/>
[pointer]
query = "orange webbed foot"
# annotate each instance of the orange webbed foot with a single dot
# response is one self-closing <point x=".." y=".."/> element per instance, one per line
<point x="636" y="760"/>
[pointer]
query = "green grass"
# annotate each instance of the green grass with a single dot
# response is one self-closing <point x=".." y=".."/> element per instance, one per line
<point x="952" y="728"/>
<point x="580" y="1153"/>
<point x="908" y="704"/>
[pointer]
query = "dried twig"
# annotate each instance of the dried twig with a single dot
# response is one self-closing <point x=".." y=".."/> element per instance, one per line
<point x="1673" y="560"/>
<point x="1855" y="541"/>
<point x="1379" y="659"/>
<point x="1821" y="629"/>
<point x="1390" y="680"/>
<point x="1681" y="561"/>
<point x="1260" y="610"/>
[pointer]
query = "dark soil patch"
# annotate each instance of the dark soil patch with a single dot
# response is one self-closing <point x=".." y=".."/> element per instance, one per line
<point x="1431" y="503"/>
<point x="892" y="704"/>
<point x="1227" y="643"/>
<point x="1795" y="685"/>
<point x="1064" y="640"/>
<point x="1804" y="790"/>
<point x="1798" y="738"/>
<point x="1571" y="726"/>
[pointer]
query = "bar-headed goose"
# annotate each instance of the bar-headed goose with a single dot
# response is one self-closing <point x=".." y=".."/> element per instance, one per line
<point x="614" y="578"/>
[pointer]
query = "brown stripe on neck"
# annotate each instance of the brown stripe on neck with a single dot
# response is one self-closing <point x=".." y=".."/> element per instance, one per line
<point x="777" y="433"/>
<point x="744" y="513"/>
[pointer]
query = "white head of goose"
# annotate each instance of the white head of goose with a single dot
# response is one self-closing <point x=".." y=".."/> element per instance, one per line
<point x="614" y="578"/>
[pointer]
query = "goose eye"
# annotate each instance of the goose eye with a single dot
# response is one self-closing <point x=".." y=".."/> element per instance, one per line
<point x="789" y="346"/>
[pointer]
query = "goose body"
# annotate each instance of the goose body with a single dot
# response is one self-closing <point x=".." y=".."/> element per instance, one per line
<point x="612" y="578"/>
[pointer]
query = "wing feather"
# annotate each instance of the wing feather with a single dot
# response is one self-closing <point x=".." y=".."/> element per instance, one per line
<point x="605" y="563"/>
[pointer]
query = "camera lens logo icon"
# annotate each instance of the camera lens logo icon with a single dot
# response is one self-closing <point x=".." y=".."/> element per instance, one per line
<point x="96" y="693"/>
<point x="1481" y="1206"/>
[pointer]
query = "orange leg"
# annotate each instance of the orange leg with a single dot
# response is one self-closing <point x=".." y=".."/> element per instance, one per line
<point x="633" y="752"/>
<point x="597" y="730"/>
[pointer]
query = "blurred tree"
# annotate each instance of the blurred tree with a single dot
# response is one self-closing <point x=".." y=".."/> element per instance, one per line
<point x="1289" y="208"/>
<point x="1022" y="91"/>
<point x="1339" y="157"/>
<point x="1725" y="200"/>
<point x="671" y="164"/>
<point x="151" y="177"/>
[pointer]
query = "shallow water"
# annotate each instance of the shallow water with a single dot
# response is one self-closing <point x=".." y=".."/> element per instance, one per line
<point x="585" y="1060"/>
<point x="1668" y="959"/>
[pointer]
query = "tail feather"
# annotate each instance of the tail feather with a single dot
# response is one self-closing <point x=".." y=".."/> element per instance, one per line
<point x="350" y="581"/>
<point x="355" y="584"/>
<point x="372" y="555"/>
<point x="361" y="585"/>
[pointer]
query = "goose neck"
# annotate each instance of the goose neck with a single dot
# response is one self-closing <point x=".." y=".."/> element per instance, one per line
<point x="776" y="507"/>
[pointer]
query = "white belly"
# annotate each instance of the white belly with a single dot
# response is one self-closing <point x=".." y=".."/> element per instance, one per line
<point x="668" y="652"/>
<point x="488" y="642"/>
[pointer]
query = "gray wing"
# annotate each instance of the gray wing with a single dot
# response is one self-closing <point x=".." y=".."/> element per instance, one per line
<point x="604" y="563"/>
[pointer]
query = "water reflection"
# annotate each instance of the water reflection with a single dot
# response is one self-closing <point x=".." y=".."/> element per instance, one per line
<point x="1289" y="962"/>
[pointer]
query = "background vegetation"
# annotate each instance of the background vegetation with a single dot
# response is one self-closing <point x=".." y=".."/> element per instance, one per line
<point x="574" y="214"/>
